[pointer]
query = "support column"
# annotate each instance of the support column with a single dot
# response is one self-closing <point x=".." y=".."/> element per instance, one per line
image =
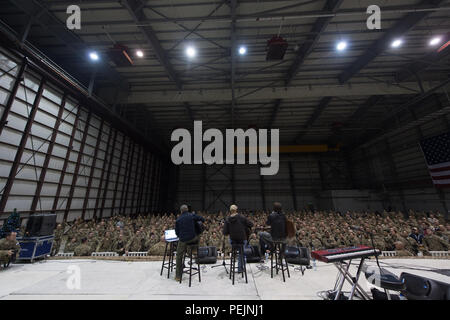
<point x="48" y="155"/>
<point x="12" y="95"/>
<point x="136" y="172"/>
<point x="77" y="166"/>
<point x="263" y="192"/>
<point x="116" y="186"/>
<point x="203" y="187"/>
<point x="150" y="183"/>
<point x="395" y="175"/>
<point x="126" y="180"/>
<point x="142" y="184"/>
<point x="322" y="175"/>
<point x="111" y="149"/>
<point x="21" y="147"/>
<point x="66" y="160"/>
<point x="91" y="173"/>
<point x="233" y="184"/>
<point x="292" y="182"/>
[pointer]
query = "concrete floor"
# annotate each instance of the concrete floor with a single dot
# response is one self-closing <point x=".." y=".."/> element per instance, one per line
<point x="141" y="280"/>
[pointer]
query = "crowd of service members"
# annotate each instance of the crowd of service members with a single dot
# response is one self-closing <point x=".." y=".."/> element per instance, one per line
<point x="417" y="234"/>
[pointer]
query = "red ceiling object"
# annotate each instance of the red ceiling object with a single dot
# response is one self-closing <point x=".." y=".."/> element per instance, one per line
<point x="120" y="56"/>
<point x="276" y="48"/>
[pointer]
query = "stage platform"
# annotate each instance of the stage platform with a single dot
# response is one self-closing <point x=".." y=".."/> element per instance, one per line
<point x="102" y="279"/>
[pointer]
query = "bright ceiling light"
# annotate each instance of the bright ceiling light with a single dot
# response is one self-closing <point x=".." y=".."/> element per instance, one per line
<point x="342" y="45"/>
<point x="94" y="56"/>
<point x="242" y="50"/>
<point x="397" y="43"/>
<point x="435" y="41"/>
<point x="191" y="52"/>
<point x="140" y="53"/>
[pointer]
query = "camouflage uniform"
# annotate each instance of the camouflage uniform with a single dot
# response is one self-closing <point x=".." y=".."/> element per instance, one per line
<point x="4" y="257"/>
<point x="83" y="250"/>
<point x="435" y="243"/>
<point x="58" y="238"/>
<point x="6" y="245"/>
<point x="157" y="249"/>
<point x="106" y="245"/>
<point x="70" y="246"/>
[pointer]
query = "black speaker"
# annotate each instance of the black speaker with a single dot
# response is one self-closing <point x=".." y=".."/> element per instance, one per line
<point x="207" y="255"/>
<point x="40" y="225"/>
<point x="296" y="255"/>
<point x="252" y="254"/>
<point x="421" y="288"/>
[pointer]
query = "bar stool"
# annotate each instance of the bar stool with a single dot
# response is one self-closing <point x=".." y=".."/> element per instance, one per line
<point x="189" y="254"/>
<point x="235" y="249"/>
<point x="169" y="253"/>
<point x="278" y="254"/>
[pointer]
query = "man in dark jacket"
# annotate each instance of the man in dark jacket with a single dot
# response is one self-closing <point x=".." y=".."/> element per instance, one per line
<point x="277" y="222"/>
<point x="185" y="230"/>
<point x="238" y="228"/>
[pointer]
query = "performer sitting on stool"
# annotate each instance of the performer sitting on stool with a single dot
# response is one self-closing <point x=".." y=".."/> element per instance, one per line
<point x="238" y="228"/>
<point x="185" y="230"/>
<point x="277" y="224"/>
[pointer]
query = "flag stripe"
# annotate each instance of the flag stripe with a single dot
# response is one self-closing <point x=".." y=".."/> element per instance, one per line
<point x="436" y="151"/>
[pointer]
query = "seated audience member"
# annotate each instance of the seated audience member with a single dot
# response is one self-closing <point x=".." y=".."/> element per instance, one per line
<point x="83" y="250"/>
<point x="10" y="243"/>
<point x="416" y="235"/>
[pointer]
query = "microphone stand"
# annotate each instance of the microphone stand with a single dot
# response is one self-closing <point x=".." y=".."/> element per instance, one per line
<point x="223" y="259"/>
<point x="374" y="249"/>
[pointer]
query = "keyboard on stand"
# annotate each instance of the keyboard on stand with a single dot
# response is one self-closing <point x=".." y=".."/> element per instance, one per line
<point x="342" y="254"/>
<point x="339" y="257"/>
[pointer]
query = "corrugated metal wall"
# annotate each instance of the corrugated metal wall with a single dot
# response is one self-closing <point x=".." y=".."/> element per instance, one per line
<point x="58" y="156"/>
<point x="397" y="165"/>
<point x="210" y="187"/>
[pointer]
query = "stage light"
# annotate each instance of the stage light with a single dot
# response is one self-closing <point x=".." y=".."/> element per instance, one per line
<point x="191" y="52"/>
<point x="341" y="46"/>
<point x="435" y="41"/>
<point x="397" y="43"/>
<point x="140" y="53"/>
<point x="94" y="56"/>
<point x="242" y="50"/>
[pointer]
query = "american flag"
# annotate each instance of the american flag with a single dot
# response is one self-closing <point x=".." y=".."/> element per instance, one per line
<point x="437" y="155"/>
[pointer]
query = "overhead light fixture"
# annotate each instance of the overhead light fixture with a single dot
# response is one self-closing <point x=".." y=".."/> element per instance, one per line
<point x="435" y="41"/>
<point x="94" y="56"/>
<point x="140" y="53"/>
<point x="242" y="50"/>
<point x="341" y="46"/>
<point x="191" y="52"/>
<point x="397" y="43"/>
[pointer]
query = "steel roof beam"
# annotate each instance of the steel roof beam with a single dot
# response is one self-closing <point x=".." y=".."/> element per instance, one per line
<point x="312" y="39"/>
<point x="400" y="28"/>
<point x="316" y="114"/>
<point x="135" y="7"/>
